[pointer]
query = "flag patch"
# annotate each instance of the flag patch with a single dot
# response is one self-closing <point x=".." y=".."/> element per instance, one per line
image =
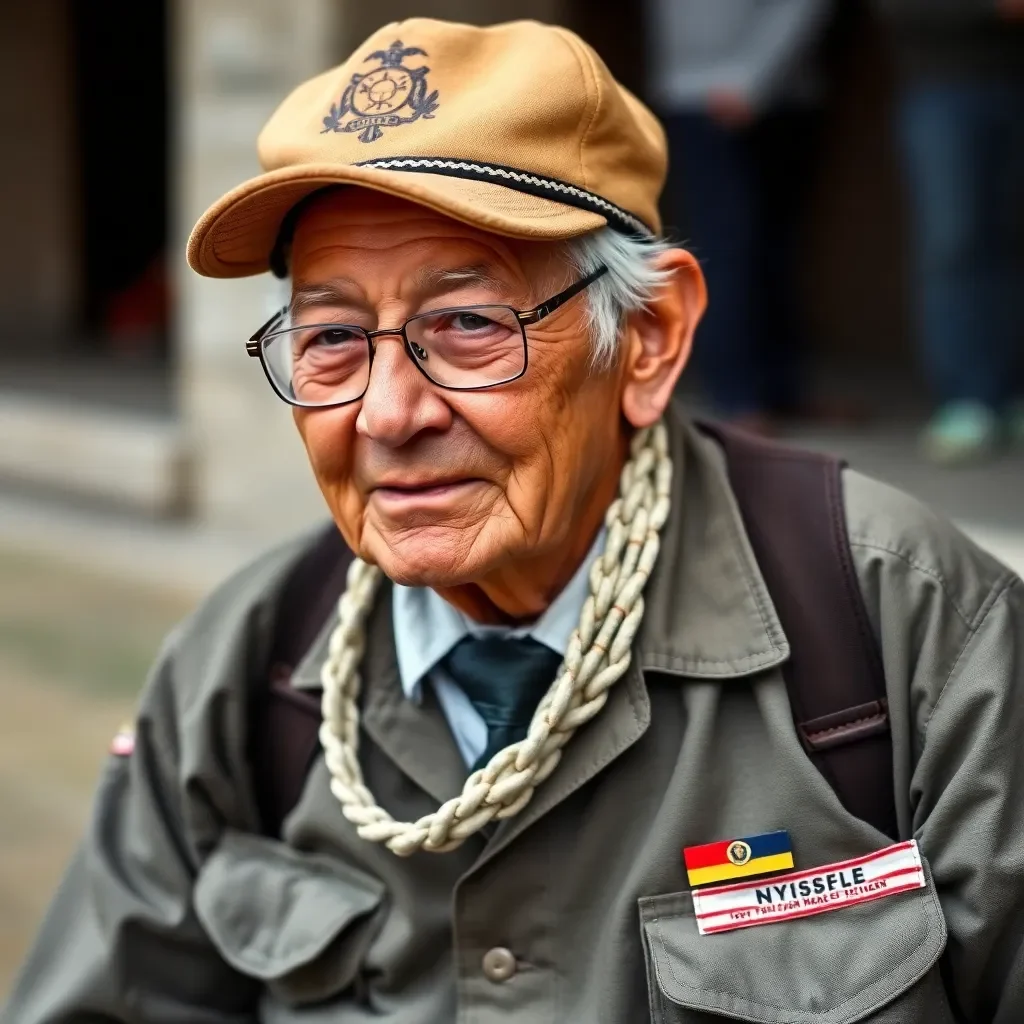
<point x="738" y="858"/>
<point x="886" y="872"/>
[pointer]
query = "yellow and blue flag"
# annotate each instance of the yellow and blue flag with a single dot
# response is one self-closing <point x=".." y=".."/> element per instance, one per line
<point x="738" y="858"/>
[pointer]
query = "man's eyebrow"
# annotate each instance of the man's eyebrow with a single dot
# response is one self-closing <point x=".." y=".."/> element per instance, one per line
<point x="436" y="281"/>
<point x="428" y="283"/>
<point x="342" y="292"/>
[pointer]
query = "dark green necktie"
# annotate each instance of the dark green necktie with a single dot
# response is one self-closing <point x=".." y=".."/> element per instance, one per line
<point x="504" y="679"/>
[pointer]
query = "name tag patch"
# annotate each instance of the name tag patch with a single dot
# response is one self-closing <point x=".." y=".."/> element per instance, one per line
<point x="805" y="893"/>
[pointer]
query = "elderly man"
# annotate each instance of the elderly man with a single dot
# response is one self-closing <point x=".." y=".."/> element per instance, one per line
<point x="557" y="696"/>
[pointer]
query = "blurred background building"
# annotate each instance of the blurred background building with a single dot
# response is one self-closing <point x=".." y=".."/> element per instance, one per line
<point x="123" y="376"/>
<point x="142" y="455"/>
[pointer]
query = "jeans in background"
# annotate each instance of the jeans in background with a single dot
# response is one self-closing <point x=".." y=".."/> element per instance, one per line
<point x="742" y="194"/>
<point x="963" y="148"/>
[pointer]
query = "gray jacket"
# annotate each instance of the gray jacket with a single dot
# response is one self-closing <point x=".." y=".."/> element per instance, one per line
<point x="177" y="911"/>
<point x="764" y="49"/>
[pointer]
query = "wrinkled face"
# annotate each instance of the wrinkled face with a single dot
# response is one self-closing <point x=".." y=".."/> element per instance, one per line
<point x="443" y="488"/>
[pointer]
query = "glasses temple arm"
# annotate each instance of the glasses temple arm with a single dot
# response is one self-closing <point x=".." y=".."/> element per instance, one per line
<point x="547" y="308"/>
<point x="272" y="322"/>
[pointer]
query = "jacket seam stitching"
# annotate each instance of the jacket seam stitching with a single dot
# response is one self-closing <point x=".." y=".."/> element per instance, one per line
<point x="672" y="661"/>
<point x="836" y="489"/>
<point x="999" y="588"/>
<point x="755" y="592"/>
<point x="876" y="1000"/>
<point x="756" y="586"/>
<point x="863" y="542"/>
<point x="874" y="717"/>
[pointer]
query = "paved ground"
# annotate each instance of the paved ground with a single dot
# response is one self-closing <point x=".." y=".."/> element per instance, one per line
<point x="74" y="648"/>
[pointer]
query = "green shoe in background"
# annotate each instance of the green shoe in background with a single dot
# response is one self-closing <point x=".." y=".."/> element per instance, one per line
<point x="1013" y="423"/>
<point x="962" y="432"/>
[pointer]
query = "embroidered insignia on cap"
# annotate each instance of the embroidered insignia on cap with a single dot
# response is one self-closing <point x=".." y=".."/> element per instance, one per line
<point x="885" y="872"/>
<point x="738" y="858"/>
<point x="378" y="98"/>
<point x="123" y="742"/>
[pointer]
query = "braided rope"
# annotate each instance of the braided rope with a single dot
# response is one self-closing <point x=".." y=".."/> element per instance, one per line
<point x="598" y="655"/>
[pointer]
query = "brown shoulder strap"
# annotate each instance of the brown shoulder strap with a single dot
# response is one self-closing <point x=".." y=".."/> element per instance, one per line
<point x="285" y="721"/>
<point x="792" y="506"/>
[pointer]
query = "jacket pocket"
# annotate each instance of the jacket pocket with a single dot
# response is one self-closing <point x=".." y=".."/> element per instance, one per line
<point x="833" y="968"/>
<point x="298" y="922"/>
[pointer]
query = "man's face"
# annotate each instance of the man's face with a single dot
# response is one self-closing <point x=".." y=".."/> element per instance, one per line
<point x="443" y="488"/>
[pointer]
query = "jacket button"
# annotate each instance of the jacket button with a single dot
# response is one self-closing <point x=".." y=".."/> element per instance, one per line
<point x="499" y="964"/>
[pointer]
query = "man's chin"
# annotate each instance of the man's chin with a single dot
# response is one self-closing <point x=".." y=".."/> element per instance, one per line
<point x="429" y="558"/>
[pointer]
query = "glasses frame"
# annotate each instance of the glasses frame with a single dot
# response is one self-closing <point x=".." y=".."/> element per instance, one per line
<point x="255" y="346"/>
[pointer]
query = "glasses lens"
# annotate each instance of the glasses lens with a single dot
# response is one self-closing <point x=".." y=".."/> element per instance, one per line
<point x="319" y="365"/>
<point x="468" y="348"/>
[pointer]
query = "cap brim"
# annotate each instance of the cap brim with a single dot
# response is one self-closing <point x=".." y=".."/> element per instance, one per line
<point x="235" y="236"/>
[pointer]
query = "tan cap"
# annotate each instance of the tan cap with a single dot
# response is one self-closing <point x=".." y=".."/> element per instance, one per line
<point x="519" y="129"/>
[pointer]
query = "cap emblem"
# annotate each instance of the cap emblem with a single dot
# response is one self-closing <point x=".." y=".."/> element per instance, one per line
<point x="387" y="96"/>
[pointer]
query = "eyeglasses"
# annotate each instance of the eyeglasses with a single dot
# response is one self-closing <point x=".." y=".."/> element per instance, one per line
<point x="462" y="348"/>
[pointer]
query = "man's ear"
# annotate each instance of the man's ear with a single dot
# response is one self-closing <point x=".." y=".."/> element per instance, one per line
<point x="659" y="338"/>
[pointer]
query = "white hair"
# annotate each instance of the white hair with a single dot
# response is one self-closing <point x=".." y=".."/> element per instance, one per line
<point x="628" y="287"/>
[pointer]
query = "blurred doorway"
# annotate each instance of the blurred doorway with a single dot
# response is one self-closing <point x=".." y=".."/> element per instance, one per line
<point x="121" y="133"/>
<point x="84" y="305"/>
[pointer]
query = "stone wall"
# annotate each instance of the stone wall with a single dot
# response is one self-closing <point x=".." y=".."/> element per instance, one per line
<point x="235" y="61"/>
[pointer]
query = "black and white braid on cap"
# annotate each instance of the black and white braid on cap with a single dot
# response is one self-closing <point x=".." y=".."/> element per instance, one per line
<point x="520" y="180"/>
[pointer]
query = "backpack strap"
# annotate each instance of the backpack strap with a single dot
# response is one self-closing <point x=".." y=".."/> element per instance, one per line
<point x="792" y="507"/>
<point x="285" y="722"/>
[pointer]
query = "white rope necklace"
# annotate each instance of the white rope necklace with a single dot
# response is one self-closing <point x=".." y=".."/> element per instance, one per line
<point x="598" y="655"/>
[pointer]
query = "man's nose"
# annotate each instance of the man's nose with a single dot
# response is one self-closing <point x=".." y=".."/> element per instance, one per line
<point x="399" y="401"/>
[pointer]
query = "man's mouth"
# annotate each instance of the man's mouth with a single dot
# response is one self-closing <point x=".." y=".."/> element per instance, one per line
<point x="405" y="494"/>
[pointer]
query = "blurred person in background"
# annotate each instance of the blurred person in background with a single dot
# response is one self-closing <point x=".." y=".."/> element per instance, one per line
<point x="740" y="89"/>
<point x="960" y="123"/>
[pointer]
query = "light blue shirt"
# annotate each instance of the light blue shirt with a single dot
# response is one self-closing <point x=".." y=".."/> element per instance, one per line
<point x="427" y="627"/>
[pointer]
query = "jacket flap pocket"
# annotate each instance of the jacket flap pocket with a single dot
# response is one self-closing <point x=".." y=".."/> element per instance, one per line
<point x="832" y="968"/>
<point x="284" y="916"/>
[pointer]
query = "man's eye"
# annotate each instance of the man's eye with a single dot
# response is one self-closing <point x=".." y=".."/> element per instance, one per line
<point x="470" y="322"/>
<point x="335" y="336"/>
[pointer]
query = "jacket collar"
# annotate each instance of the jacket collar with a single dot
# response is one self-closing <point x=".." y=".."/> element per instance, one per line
<point x="708" y="613"/>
